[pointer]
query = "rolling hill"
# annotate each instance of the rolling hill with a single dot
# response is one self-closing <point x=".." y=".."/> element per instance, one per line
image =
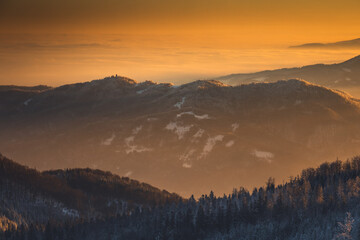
<point x="32" y="197"/>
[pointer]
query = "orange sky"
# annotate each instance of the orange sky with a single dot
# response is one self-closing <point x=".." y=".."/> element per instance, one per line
<point x="320" y="19"/>
<point x="152" y="39"/>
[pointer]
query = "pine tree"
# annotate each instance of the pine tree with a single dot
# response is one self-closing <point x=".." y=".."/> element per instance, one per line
<point x="345" y="228"/>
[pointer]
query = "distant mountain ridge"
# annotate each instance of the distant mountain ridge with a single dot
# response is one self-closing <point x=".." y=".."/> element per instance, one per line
<point x="38" y="88"/>
<point x="182" y="138"/>
<point x="339" y="75"/>
<point x="350" y="44"/>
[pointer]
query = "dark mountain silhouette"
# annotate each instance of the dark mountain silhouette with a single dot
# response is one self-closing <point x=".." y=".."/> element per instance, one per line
<point x="183" y="138"/>
<point x="340" y="75"/>
<point x="13" y="97"/>
<point x="38" y="88"/>
<point x="349" y="44"/>
<point x="320" y="203"/>
<point x="29" y="196"/>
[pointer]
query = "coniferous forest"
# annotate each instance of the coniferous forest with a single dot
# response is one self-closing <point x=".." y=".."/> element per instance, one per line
<point x="319" y="203"/>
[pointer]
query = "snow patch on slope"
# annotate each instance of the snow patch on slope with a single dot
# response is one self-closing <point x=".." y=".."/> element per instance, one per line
<point x="109" y="140"/>
<point x="137" y="149"/>
<point x="152" y="119"/>
<point x="137" y="130"/>
<point x="199" y="133"/>
<point x="186" y="165"/>
<point x="129" y="140"/>
<point x="70" y="212"/>
<point x="129" y="143"/>
<point x="211" y="142"/>
<point x="27" y="101"/>
<point x="263" y="155"/>
<point x="179" y="130"/>
<point x="180" y="104"/>
<point x="141" y="91"/>
<point x="127" y="174"/>
<point x="234" y="126"/>
<point x="229" y="143"/>
<point x="200" y="117"/>
<point x="186" y="158"/>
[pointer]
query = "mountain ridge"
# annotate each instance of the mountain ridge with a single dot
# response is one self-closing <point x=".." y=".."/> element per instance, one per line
<point x="339" y="75"/>
<point x="354" y="43"/>
<point x="127" y="83"/>
<point x="179" y="137"/>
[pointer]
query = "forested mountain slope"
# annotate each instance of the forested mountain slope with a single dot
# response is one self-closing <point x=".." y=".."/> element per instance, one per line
<point x="32" y="197"/>
<point x="320" y="203"/>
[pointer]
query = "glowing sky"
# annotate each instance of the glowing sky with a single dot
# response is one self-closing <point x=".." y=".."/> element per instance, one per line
<point x="57" y="42"/>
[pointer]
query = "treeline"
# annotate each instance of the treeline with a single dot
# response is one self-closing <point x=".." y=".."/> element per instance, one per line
<point x="309" y="206"/>
<point x="12" y="173"/>
<point x="99" y="185"/>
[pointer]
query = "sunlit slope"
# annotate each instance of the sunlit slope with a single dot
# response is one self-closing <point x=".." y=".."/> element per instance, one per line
<point x="343" y="75"/>
<point x="188" y="139"/>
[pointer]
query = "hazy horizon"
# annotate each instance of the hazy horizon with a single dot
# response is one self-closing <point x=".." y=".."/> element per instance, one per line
<point x="61" y="42"/>
<point x="32" y="59"/>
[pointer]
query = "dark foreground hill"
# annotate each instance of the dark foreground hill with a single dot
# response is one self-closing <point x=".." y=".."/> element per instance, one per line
<point x="318" y="204"/>
<point x="182" y="138"/>
<point x="32" y="197"/>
